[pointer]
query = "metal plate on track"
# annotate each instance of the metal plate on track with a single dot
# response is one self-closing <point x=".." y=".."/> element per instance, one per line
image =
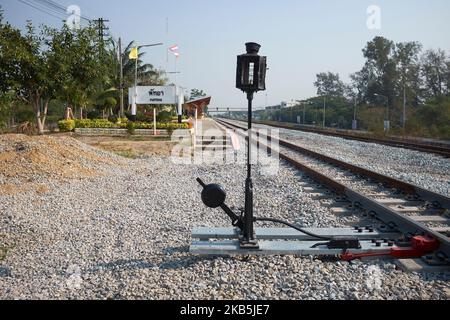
<point x="280" y="247"/>
<point x="290" y="234"/>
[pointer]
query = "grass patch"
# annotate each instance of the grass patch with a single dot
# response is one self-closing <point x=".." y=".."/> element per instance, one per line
<point x="126" y="154"/>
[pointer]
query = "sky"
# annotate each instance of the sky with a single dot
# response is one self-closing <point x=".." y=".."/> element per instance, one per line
<point x="300" y="38"/>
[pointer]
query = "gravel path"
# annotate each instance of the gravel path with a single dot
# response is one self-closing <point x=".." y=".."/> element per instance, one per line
<point x="126" y="236"/>
<point x="429" y="171"/>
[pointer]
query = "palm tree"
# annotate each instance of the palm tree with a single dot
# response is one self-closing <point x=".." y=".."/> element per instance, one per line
<point x="147" y="74"/>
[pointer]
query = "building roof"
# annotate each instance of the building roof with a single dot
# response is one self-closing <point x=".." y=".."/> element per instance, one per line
<point x="200" y="101"/>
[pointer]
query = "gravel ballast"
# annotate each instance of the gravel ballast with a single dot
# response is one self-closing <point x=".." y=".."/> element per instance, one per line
<point x="429" y="171"/>
<point x="126" y="235"/>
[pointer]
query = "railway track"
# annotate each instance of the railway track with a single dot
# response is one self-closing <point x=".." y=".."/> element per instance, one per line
<point x="397" y="205"/>
<point x="435" y="148"/>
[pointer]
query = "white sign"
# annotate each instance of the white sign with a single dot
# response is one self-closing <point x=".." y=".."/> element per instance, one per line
<point x="153" y="95"/>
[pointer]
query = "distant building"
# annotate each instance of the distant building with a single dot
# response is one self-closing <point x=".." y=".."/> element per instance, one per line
<point x="199" y="104"/>
<point x="273" y="108"/>
<point x="289" y="104"/>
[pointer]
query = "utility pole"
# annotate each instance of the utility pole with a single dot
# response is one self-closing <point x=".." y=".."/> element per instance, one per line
<point x="355" y="121"/>
<point x="387" y="123"/>
<point x="304" y="113"/>
<point x="101" y="33"/>
<point x="404" y="106"/>
<point x="121" y="79"/>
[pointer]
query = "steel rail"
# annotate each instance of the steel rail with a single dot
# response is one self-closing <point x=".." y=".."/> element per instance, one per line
<point x="377" y="210"/>
<point x="438" y="149"/>
<point x="408" y="188"/>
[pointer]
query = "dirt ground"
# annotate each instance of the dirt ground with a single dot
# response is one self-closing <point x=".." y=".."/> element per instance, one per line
<point x="26" y="162"/>
<point x="131" y="147"/>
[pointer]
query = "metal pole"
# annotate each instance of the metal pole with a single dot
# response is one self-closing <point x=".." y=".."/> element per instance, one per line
<point x="134" y="106"/>
<point x="304" y="113"/>
<point x="196" y="119"/>
<point x="324" y="110"/>
<point x="121" y="79"/>
<point x="388" y="124"/>
<point x="404" y="106"/>
<point x="387" y="108"/>
<point x="248" y="214"/>
<point x="176" y="75"/>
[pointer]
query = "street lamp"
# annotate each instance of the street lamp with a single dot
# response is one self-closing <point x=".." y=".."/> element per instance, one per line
<point x="387" y="123"/>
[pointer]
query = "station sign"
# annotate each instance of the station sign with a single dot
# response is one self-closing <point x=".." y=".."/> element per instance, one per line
<point x="153" y="95"/>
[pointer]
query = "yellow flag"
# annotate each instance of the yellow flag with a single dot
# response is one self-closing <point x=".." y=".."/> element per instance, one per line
<point x="134" y="53"/>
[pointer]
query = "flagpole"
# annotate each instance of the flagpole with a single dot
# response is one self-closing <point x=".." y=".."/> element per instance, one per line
<point x="176" y="84"/>
<point x="134" y="107"/>
<point x="135" y="56"/>
<point x="176" y="74"/>
<point x="121" y="79"/>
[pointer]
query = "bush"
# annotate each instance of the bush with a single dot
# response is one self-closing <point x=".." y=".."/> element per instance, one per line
<point x="94" y="114"/>
<point x="113" y="119"/>
<point x="66" y="125"/>
<point x="164" y="116"/>
<point x="130" y="126"/>
<point x="97" y="123"/>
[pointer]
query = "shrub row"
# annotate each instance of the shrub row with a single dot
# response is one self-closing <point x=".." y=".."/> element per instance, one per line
<point x="70" y="125"/>
<point x="97" y="123"/>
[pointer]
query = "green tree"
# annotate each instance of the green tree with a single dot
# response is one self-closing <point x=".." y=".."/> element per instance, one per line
<point x="25" y="69"/>
<point x="78" y="67"/>
<point x="408" y="68"/>
<point x="329" y="84"/>
<point x="380" y="68"/>
<point x="196" y="93"/>
<point x="146" y="72"/>
<point x="435" y="72"/>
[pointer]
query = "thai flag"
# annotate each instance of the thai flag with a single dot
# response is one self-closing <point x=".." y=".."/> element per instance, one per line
<point x="174" y="50"/>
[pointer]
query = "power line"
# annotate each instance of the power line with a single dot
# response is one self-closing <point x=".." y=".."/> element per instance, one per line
<point x="40" y="9"/>
<point x="100" y="22"/>
<point x="56" y="6"/>
<point x="58" y="11"/>
<point x="51" y="8"/>
<point x="45" y="7"/>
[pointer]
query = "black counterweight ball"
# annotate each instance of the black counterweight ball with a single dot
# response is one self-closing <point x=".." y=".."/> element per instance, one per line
<point x="213" y="196"/>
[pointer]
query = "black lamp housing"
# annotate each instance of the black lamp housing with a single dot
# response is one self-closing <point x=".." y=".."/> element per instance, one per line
<point x="251" y="69"/>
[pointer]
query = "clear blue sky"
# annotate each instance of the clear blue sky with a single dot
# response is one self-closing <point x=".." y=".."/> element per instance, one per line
<point x="300" y="38"/>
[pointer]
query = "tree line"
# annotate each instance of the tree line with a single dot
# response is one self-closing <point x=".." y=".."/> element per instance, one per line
<point x="394" y="76"/>
<point x="390" y="70"/>
<point x="45" y="70"/>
